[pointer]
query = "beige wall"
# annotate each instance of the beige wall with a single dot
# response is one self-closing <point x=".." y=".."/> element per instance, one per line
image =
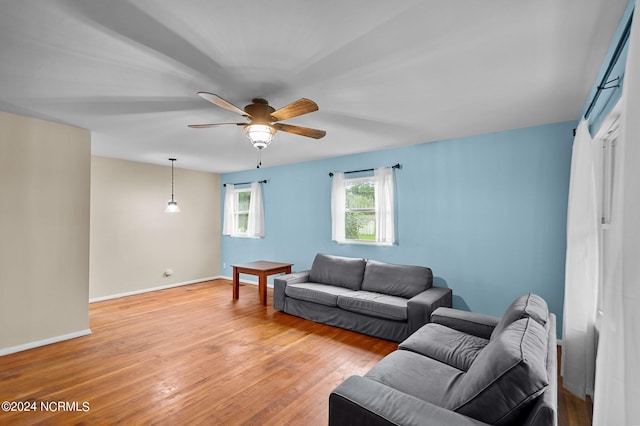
<point x="44" y="231"/>
<point x="133" y="241"/>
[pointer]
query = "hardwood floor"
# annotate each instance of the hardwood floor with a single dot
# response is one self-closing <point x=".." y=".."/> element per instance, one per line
<point x="572" y="411"/>
<point x="192" y="355"/>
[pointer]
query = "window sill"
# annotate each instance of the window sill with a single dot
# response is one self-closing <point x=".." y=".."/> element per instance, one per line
<point x="364" y="243"/>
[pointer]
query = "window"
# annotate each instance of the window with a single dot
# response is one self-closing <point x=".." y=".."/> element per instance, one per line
<point x="362" y="208"/>
<point x="243" y="212"/>
<point x="242" y="201"/>
<point x="609" y="141"/>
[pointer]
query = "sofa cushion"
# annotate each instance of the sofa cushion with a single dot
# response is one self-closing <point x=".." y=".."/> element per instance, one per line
<point x="374" y="304"/>
<point x="506" y="377"/>
<point x="396" y="280"/>
<point x="526" y="306"/>
<point x="416" y="375"/>
<point x="318" y="293"/>
<point x="446" y="345"/>
<point x="337" y="270"/>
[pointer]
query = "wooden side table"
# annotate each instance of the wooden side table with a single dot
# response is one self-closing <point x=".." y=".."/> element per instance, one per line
<point x="262" y="269"/>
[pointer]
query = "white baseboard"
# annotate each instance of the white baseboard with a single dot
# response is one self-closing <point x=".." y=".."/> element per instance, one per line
<point x="147" y="290"/>
<point x="43" y="342"/>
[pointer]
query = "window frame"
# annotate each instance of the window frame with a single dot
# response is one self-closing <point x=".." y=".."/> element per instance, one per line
<point x="384" y="201"/>
<point x="231" y="212"/>
<point x="237" y="212"/>
<point x="350" y="181"/>
<point x="607" y="141"/>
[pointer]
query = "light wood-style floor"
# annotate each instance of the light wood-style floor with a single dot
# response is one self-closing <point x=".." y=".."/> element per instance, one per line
<point x="572" y="411"/>
<point x="192" y="355"/>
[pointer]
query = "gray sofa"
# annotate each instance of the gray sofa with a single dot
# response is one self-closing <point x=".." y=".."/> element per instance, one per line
<point x="461" y="369"/>
<point x="379" y="299"/>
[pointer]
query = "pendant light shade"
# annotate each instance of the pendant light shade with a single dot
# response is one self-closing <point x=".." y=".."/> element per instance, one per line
<point x="172" y="206"/>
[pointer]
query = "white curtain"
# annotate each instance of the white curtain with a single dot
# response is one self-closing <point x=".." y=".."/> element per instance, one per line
<point x="617" y="386"/>
<point x="255" y="226"/>
<point x="338" y="205"/>
<point x="581" y="270"/>
<point x="229" y="217"/>
<point x="384" y="205"/>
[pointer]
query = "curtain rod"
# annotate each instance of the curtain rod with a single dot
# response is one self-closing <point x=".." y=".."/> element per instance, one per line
<point x="396" y="166"/>
<point x="614" y="59"/>
<point x="243" y="183"/>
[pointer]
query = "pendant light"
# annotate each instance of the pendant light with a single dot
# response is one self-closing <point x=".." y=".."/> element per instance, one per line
<point x="172" y="206"/>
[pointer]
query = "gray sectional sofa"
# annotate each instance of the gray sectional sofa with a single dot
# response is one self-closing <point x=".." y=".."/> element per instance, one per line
<point x="461" y="368"/>
<point x="379" y="299"/>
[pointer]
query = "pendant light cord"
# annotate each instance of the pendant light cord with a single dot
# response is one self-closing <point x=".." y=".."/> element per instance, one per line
<point x="172" y="160"/>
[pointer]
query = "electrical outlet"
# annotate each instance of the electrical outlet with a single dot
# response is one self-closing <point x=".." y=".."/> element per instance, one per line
<point x="224" y="265"/>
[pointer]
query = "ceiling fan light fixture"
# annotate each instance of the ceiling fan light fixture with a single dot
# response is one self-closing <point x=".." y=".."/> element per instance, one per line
<point x="260" y="135"/>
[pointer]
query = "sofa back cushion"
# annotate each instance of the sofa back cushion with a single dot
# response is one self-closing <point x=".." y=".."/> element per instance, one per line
<point x="396" y="280"/>
<point x="337" y="270"/>
<point x="506" y="377"/>
<point x="526" y="306"/>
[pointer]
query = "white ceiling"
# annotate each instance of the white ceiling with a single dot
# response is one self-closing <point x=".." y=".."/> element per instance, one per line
<point x="384" y="73"/>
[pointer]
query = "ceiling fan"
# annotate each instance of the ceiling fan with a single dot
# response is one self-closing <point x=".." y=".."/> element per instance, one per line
<point x="264" y="120"/>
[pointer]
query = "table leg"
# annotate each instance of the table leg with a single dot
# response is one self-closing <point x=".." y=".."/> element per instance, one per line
<point x="262" y="287"/>
<point x="236" y="283"/>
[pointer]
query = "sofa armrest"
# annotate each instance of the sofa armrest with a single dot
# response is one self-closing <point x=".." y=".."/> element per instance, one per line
<point x="545" y="409"/>
<point x="359" y="401"/>
<point x="420" y="307"/>
<point x="480" y="325"/>
<point x="280" y="283"/>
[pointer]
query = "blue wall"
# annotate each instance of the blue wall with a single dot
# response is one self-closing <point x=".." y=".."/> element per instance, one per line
<point x="609" y="97"/>
<point x="487" y="213"/>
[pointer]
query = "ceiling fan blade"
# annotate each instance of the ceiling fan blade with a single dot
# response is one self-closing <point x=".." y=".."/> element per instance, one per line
<point x="302" y="131"/>
<point x="294" y="109"/>
<point x="206" y="126"/>
<point x="217" y="100"/>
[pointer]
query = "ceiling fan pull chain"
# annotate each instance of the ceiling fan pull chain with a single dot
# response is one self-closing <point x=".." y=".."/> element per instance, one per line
<point x="259" y="159"/>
